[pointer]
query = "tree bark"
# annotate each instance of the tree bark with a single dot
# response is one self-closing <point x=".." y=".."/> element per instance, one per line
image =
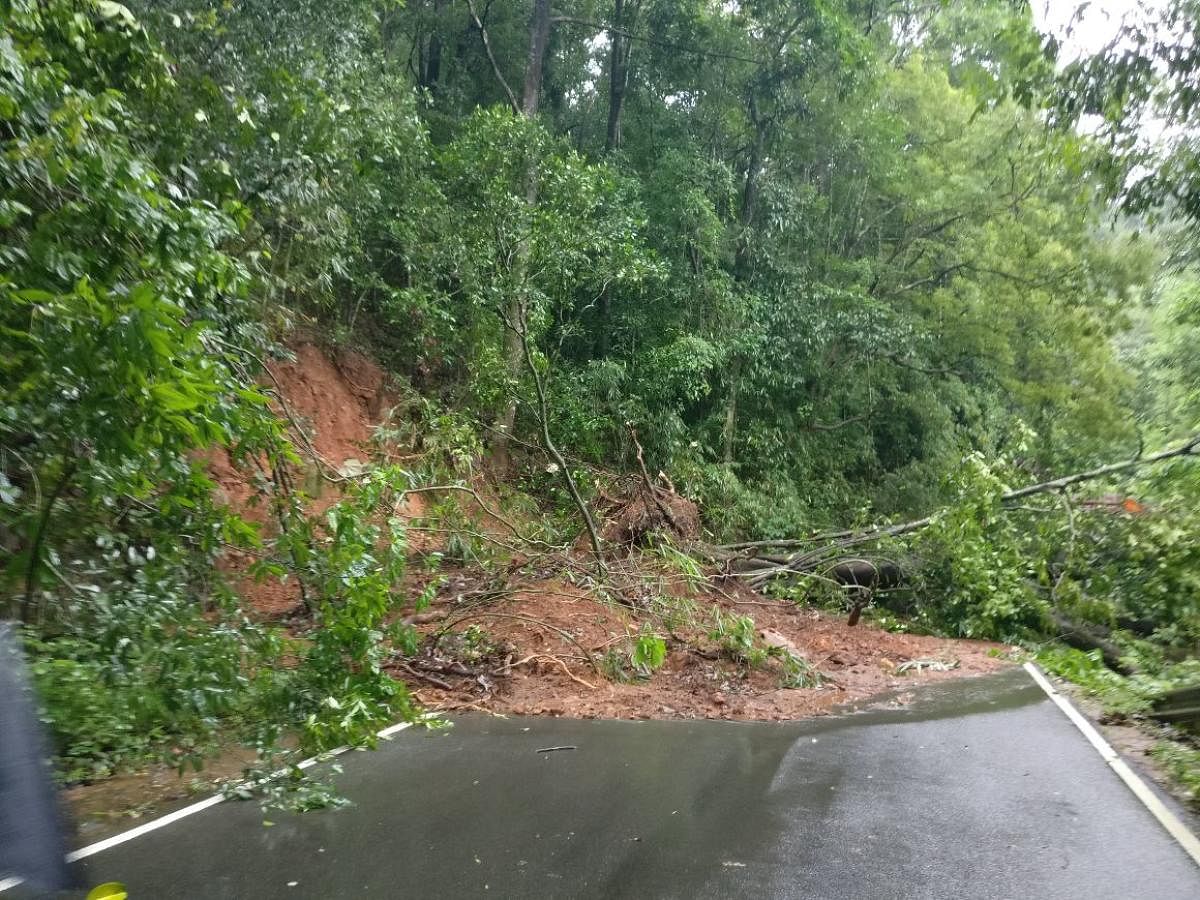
<point x="33" y="569"/>
<point x="1088" y="637"/>
<point x="1188" y="448"/>
<point x="487" y="49"/>
<point x="750" y="187"/>
<point x="618" y="72"/>
<point x="514" y="351"/>
<point x="520" y="326"/>
<point x="514" y="343"/>
<point x="603" y="313"/>
<point x="729" y="429"/>
<point x="743" y="263"/>
<point x="431" y="71"/>
<point x="621" y="45"/>
<point x="539" y="37"/>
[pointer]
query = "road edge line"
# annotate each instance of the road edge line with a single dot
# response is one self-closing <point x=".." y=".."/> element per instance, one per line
<point x="192" y="809"/>
<point x="1167" y="819"/>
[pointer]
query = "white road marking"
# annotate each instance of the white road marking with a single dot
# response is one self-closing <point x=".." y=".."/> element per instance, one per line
<point x="170" y="818"/>
<point x="145" y="828"/>
<point x="1180" y="832"/>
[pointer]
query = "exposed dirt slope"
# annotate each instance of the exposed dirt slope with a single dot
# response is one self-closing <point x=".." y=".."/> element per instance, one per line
<point x="334" y="401"/>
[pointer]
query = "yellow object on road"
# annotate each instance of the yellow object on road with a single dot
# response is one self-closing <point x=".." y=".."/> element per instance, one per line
<point x="110" y="890"/>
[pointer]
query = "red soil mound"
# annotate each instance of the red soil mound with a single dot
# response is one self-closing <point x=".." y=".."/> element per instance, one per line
<point x="537" y="670"/>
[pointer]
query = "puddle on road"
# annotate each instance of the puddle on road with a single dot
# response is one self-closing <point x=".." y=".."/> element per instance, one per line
<point x="1011" y="689"/>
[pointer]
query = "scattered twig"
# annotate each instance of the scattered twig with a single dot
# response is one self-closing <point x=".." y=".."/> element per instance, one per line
<point x="509" y="666"/>
<point x="487" y="47"/>
<point x="570" y="674"/>
<point x="921" y="665"/>
<point x="482" y="505"/>
<point x="553" y="749"/>
<point x="651" y="489"/>
<point x="425" y="618"/>
<point x="566" y="635"/>
<point x="486" y="538"/>
<point x="521" y="328"/>
<point x="777" y="604"/>
<point x="426" y="676"/>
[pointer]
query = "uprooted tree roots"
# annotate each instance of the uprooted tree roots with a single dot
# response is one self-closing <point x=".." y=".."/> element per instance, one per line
<point x="647" y="508"/>
<point x="631" y="521"/>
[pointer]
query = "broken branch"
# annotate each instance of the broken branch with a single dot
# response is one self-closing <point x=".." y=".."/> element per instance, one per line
<point x="759" y="569"/>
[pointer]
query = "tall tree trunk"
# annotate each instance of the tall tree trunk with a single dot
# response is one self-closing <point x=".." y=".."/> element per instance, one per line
<point x="742" y="263"/>
<point x="33" y="568"/>
<point x="618" y="73"/>
<point x="514" y="353"/>
<point x="620" y="47"/>
<point x="731" y="402"/>
<point x="539" y="37"/>
<point x="750" y="189"/>
<point x="432" y="71"/>
<point x="603" y="311"/>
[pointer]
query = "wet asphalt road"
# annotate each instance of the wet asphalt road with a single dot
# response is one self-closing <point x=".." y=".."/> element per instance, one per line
<point x="981" y="789"/>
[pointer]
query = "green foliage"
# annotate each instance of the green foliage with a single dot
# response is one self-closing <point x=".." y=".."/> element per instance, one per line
<point x="1118" y="694"/>
<point x="299" y="112"/>
<point x="797" y="673"/>
<point x="148" y="677"/>
<point x="674" y="615"/>
<point x="975" y="564"/>
<point x="126" y="326"/>
<point x="291" y="789"/>
<point x="579" y="238"/>
<point x="736" y="638"/>
<point x="1148" y="71"/>
<point x="115" y="366"/>
<point x="1182" y="763"/>
<point x="1121" y="696"/>
<point x="117" y="305"/>
<point x="638" y="659"/>
<point x="649" y="653"/>
<point x="471" y="646"/>
<point x="352" y="565"/>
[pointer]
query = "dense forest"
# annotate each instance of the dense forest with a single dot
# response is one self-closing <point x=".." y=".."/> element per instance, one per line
<point x="823" y="266"/>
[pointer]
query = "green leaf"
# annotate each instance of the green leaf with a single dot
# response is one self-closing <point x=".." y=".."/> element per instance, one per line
<point x="110" y="10"/>
<point x="172" y="398"/>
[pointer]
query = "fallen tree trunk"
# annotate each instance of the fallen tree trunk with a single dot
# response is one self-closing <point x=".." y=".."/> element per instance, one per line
<point x="1190" y="447"/>
<point x="745" y="560"/>
<point x="1180" y="706"/>
<point x="1089" y="637"/>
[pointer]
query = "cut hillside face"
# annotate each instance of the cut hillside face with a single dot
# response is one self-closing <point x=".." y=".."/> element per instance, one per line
<point x="332" y="402"/>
